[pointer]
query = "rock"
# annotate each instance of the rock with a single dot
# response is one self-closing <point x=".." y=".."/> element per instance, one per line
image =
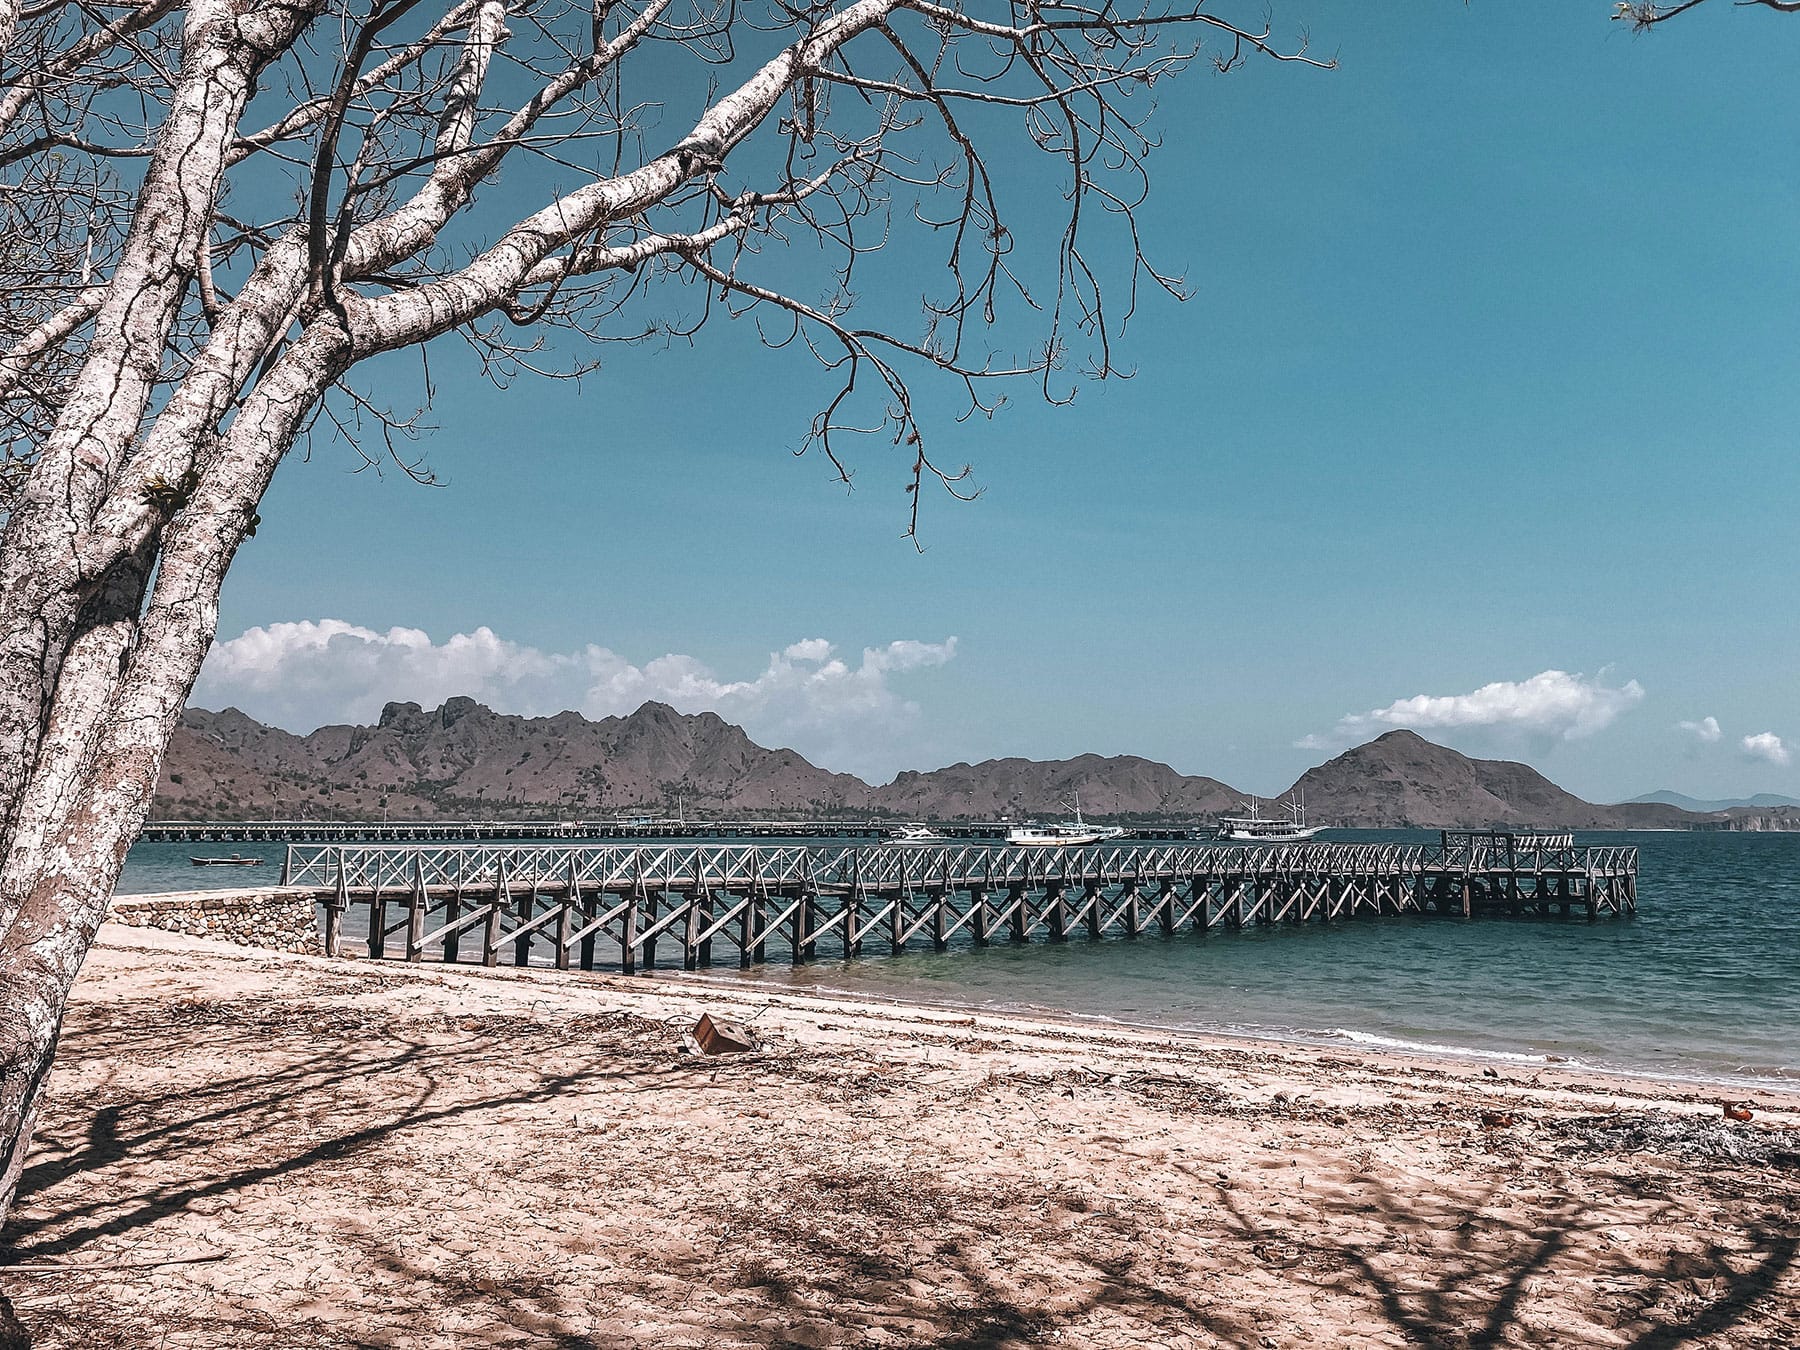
<point x="274" y="919"/>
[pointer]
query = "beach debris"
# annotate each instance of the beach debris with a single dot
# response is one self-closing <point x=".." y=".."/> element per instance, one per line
<point x="716" y="1036"/>
<point x="80" y="1267"/>
<point x="1695" y="1138"/>
<point x="1490" y="1073"/>
<point x="1497" y="1120"/>
<point x="1737" y="1110"/>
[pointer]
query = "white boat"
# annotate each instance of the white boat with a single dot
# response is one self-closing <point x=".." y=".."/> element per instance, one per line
<point x="1068" y="834"/>
<point x="917" y="833"/>
<point x="1256" y="828"/>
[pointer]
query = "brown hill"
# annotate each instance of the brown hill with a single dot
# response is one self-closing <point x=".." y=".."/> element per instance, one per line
<point x="464" y="759"/>
<point x="1401" y="779"/>
<point x="1121" y="785"/>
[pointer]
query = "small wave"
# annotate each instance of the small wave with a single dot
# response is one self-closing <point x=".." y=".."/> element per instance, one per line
<point x="1369" y="1038"/>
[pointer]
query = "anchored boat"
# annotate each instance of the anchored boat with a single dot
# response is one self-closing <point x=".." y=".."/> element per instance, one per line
<point x="1068" y="834"/>
<point x="1255" y="828"/>
<point x="233" y="861"/>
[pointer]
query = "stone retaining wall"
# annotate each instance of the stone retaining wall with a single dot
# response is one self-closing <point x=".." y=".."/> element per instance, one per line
<point x="284" y="920"/>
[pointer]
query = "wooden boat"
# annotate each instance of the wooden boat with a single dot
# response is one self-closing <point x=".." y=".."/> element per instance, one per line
<point x="1256" y="828"/>
<point x="233" y="861"/>
<point x="1069" y="834"/>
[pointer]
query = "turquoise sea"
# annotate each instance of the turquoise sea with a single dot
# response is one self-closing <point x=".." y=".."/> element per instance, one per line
<point x="1703" y="983"/>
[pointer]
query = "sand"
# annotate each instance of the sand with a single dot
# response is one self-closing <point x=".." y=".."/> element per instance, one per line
<point x="247" y="1149"/>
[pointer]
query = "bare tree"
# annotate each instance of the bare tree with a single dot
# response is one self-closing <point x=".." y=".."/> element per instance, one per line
<point x="1643" y="15"/>
<point x="216" y="211"/>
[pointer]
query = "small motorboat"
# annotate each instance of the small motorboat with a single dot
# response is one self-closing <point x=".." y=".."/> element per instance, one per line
<point x="916" y="833"/>
<point x="234" y="860"/>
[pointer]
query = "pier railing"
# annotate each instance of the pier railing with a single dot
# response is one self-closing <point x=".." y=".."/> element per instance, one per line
<point x="588" y="901"/>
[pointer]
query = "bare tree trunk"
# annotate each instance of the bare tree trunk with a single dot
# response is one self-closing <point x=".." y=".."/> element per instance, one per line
<point x="120" y="693"/>
<point x="53" y="560"/>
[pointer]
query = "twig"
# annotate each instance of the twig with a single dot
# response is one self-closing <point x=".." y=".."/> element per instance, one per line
<point x="56" y="1268"/>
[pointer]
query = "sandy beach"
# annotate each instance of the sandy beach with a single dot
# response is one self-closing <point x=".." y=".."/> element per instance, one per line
<point x="247" y="1149"/>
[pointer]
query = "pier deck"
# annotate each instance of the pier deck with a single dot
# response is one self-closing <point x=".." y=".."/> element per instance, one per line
<point x="625" y="906"/>
<point x="468" y="831"/>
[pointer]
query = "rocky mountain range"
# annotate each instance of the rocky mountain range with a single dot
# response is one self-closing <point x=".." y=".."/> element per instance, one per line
<point x="463" y="759"/>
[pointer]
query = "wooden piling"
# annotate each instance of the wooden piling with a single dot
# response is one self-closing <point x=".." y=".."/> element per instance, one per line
<point x="527" y="906"/>
<point x="590" y="911"/>
<point x="453" y="912"/>
<point x="417" y="902"/>
<point x="490" y="938"/>
<point x="1055" y="918"/>
<point x="335" y="910"/>
<point x="1165" y="907"/>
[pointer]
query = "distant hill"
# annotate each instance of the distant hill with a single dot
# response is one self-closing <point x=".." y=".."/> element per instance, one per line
<point x="1122" y="785"/>
<point x="463" y="759"/>
<point x="1761" y="800"/>
<point x="1401" y="779"/>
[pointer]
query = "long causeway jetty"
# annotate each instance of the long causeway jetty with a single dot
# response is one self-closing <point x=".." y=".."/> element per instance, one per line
<point x="629" y="906"/>
<point x="474" y="831"/>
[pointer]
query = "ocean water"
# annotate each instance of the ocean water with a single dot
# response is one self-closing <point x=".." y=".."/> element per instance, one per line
<point x="1704" y="983"/>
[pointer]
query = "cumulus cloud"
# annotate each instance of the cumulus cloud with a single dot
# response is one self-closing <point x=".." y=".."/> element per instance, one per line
<point x="1767" y="745"/>
<point x="1553" y="705"/>
<point x="845" y="714"/>
<point x="1706" y="729"/>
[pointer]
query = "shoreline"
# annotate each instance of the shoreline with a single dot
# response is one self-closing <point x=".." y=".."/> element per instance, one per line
<point x="1704" y="1003"/>
<point x="1778" y="1099"/>
<point x="257" y="1149"/>
<point x="1454" y="1058"/>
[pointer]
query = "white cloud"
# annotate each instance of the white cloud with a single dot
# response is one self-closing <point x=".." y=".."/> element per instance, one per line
<point x="1767" y="745"/>
<point x="1706" y="729"/>
<point x="1553" y="704"/>
<point x="845" y="716"/>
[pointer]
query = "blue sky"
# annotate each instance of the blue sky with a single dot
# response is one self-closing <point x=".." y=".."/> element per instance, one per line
<point x="1490" y="371"/>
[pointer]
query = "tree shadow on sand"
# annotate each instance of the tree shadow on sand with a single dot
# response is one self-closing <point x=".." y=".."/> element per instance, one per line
<point x="1476" y="1283"/>
<point x="826" y="1256"/>
<point x="813" y="1248"/>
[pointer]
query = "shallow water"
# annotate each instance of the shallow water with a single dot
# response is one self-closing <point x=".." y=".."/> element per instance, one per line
<point x="1703" y="983"/>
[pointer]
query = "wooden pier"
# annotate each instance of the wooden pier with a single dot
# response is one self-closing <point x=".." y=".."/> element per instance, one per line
<point x="476" y="831"/>
<point x="629" y="906"/>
